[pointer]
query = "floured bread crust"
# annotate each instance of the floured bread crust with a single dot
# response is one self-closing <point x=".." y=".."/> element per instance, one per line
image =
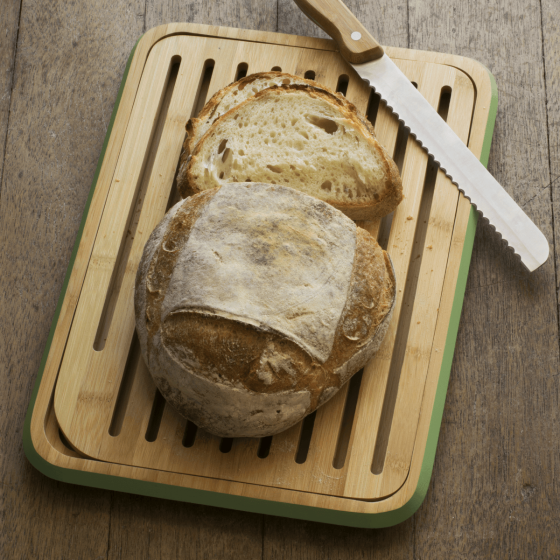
<point x="240" y="375"/>
<point x="302" y="136"/>
<point x="258" y="255"/>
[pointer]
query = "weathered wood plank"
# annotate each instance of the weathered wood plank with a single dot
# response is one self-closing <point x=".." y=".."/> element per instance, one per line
<point x="68" y="67"/>
<point x="145" y="528"/>
<point x="493" y="492"/>
<point x="305" y="540"/>
<point x="551" y="44"/>
<point x="8" y="40"/>
<point x="245" y="14"/>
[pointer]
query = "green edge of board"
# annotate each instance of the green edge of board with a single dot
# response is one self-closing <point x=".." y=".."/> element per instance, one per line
<point x="205" y="497"/>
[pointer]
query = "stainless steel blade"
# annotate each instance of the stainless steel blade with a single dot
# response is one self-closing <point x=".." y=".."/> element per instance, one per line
<point x="456" y="160"/>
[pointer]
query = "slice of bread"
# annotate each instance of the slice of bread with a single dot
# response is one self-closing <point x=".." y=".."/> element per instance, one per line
<point x="303" y="137"/>
<point x="226" y="99"/>
<point x="231" y="96"/>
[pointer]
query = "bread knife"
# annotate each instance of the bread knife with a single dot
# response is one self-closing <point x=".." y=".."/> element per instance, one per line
<point x="464" y="169"/>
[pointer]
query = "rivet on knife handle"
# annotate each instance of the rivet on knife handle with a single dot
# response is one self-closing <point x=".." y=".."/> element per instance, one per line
<point x="354" y="41"/>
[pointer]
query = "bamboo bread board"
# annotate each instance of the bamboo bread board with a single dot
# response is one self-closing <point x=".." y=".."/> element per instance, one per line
<point x="96" y="417"/>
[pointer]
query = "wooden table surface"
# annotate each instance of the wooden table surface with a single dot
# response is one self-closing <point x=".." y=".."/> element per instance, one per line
<point x="494" y="491"/>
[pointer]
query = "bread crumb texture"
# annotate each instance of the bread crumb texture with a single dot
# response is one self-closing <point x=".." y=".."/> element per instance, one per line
<point x="231" y="96"/>
<point x="301" y="136"/>
<point x="255" y="303"/>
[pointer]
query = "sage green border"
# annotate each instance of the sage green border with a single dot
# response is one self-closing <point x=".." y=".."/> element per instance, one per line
<point x="296" y="511"/>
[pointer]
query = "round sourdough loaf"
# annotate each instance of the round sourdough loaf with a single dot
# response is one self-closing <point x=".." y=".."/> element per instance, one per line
<point x="255" y="303"/>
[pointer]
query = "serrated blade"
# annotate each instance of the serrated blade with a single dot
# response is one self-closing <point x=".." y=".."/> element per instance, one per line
<point x="456" y="160"/>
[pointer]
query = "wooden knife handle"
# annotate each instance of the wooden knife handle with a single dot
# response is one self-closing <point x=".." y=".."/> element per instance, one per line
<point x="354" y="41"/>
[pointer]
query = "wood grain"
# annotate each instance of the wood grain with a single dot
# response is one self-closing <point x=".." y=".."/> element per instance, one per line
<point x="551" y="44"/>
<point x="501" y="422"/>
<point x="353" y="40"/>
<point x="8" y="40"/>
<point x="68" y="67"/>
<point x="305" y="540"/>
<point x="386" y="21"/>
<point x="245" y="14"/>
<point x="145" y="528"/>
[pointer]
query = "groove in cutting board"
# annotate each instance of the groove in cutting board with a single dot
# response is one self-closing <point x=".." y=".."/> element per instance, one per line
<point x="373" y="107"/>
<point x="409" y="296"/>
<point x="409" y="292"/>
<point x="342" y="85"/>
<point x="401" y="143"/>
<point x="158" y="407"/>
<point x="190" y="434"/>
<point x="264" y="447"/>
<point x="241" y="70"/>
<point x="126" y="244"/>
<point x="123" y="396"/>
<point x="305" y="438"/>
<point x="202" y="93"/>
<point x="347" y="420"/>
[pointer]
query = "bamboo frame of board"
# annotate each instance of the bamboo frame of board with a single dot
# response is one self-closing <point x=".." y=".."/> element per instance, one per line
<point x="396" y="493"/>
